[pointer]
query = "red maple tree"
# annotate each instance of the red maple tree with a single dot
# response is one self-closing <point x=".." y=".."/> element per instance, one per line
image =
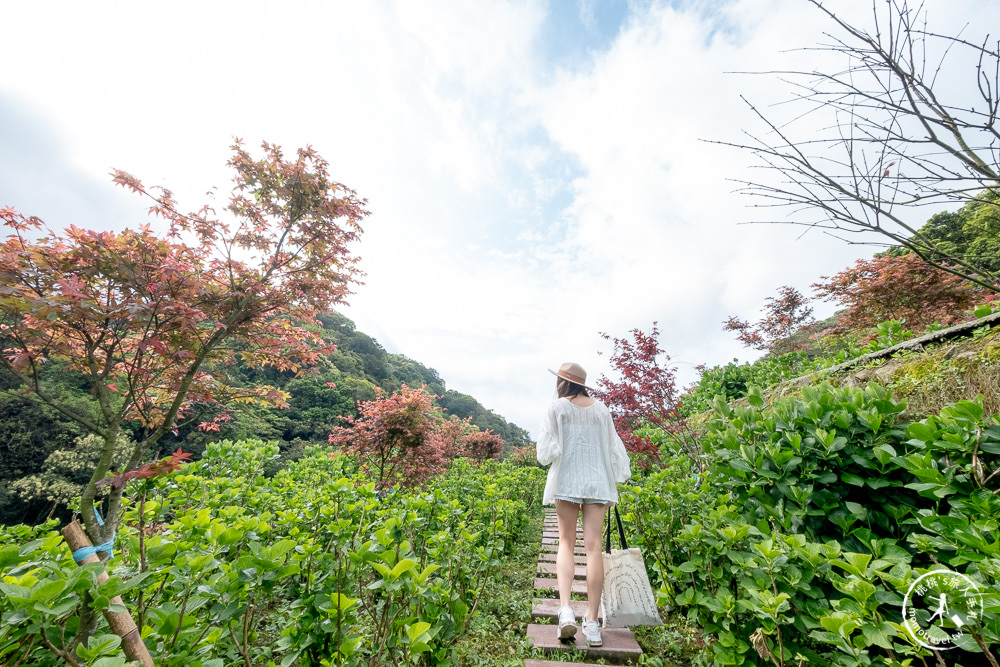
<point x="644" y="395"/>
<point x="900" y="288"/>
<point x="403" y="439"/>
<point x="482" y="445"/>
<point x="395" y="438"/>
<point x="783" y="315"/>
<point x="151" y="320"/>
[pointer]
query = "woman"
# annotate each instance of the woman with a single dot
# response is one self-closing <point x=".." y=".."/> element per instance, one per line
<point x="579" y="439"/>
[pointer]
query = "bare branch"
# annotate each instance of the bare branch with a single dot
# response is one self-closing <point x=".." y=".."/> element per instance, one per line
<point x="860" y="147"/>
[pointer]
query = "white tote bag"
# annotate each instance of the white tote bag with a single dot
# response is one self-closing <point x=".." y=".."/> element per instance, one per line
<point x="627" y="598"/>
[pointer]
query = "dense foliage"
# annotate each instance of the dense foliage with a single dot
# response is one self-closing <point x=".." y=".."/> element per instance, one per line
<point x="316" y="405"/>
<point x="972" y="233"/>
<point x="815" y="516"/>
<point x="313" y="566"/>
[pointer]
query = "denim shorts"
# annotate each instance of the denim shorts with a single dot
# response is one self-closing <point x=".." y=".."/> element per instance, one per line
<point x="582" y="501"/>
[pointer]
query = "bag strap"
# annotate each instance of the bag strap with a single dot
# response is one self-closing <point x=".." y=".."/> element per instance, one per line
<point x="621" y="533"/>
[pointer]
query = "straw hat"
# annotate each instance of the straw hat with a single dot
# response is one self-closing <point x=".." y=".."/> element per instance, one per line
<point x="574" y="373"/>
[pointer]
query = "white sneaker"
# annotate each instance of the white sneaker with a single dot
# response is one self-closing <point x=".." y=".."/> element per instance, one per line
<point x="592" y="632"/>
<point x="567" y="623"/>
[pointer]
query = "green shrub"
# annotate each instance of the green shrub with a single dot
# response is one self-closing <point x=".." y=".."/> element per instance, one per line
<point x="814" y="518"/>
<point x="222" y="565"/>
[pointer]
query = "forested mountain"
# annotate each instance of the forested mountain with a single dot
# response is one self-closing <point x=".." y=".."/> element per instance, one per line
<point x="30" y="433"/>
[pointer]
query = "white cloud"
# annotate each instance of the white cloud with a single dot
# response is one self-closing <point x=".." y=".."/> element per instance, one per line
<point x="518" y="209"/>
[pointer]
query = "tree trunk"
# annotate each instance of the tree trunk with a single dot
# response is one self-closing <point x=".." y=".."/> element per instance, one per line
<point x="120" y="621"/>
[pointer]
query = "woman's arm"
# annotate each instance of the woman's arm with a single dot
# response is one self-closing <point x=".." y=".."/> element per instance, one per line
<point x="621" y="467"/>
<point x="549" y="446"/>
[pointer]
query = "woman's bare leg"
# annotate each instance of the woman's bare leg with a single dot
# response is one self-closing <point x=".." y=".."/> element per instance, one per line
<point x="593" y="525"/>
<point x="567" y="515"/>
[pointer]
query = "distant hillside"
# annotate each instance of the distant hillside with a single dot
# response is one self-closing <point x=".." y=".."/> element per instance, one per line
<point x="317" y="403"/>
<point x="359" y="355"/>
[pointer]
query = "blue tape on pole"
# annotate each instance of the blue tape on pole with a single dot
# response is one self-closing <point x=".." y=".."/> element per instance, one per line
<point x="86" y="552"/>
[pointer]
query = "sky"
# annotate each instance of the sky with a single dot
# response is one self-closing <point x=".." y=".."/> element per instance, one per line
<point x="538" y="173"/>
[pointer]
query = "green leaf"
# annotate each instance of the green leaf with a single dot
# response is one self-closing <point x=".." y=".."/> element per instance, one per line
<point x="921" y="431"/>
<point x="430" y="569"/>
<point x="350" y="645"/>
<point x="109" y="662"/>
<point x="47" y="591"/>
<point x="135" y="581"/>
<point x="64" y="608"/>
<point x="879" y="635"/>
<point x="9" y="555"/>
<point x="198" y="563"/>
<point x="230" y="536"/>
<point x="970" y="409"/>
<point x="884" y="453"/>
<point x="98" y="646"/>
<point x="402" y="566"/>
<point x="856" y="509"/>
<point x="279" y="549"/>
<point x="15" y="592"/>
<point x="848" y="478"/>
<point x="413" y="632"/>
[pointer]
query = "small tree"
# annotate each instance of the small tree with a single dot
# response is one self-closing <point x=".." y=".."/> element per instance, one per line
<point x="482" y="445"/>
<point x="451" y="433"/>
<point x="867" y="141"/>
<point x="644" y="395"/>
<point x="151" y="322"/>
<point x="395" y="438"/>
<point x="783" y="316"/>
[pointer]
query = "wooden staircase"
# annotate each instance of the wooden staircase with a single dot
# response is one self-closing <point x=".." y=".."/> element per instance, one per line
<point x="619" y="646"/>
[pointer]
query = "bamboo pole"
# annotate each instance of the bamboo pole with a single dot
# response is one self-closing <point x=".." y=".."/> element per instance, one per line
<point x="120" y="621"/>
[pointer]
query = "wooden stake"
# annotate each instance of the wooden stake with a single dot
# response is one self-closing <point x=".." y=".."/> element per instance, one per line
<point x="120" y="621"/>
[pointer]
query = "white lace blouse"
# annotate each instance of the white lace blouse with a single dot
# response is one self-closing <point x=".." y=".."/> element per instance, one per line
<point x="586" y="453"/>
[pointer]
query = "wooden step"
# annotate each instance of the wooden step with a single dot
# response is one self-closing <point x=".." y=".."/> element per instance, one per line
<point x="549" y="570"/>
<point x="553" y="548"/>
<point x="555" y="540"/>
<point x="549" y="608"/>
<point x="549" y="584"/>
<point x="551" y="558"/>
<point x="555" y="663"/>
<point x="618" y="643"/>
